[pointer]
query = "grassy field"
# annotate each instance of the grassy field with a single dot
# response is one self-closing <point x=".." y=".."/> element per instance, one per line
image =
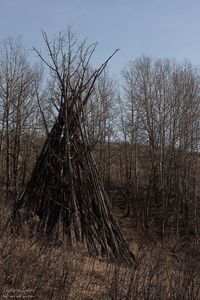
<point x="38" y="269"/>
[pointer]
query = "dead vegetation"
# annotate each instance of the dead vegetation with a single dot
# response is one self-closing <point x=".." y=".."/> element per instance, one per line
<point x="52" y="270"/>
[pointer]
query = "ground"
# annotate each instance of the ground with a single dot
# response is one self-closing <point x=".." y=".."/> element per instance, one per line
<point x="42" y="270"/>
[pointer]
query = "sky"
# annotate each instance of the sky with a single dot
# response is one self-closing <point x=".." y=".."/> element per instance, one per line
<point x="156" y="28"/>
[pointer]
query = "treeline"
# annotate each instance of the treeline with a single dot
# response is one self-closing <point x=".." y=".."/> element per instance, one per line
<point x="161" y="127"/>
<point x="143" y="130"/>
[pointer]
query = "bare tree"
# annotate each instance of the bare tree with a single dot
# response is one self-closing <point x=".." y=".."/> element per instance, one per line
<point x="99" y="119"/>
<point x="162" y="112"/>
<point x="18" y="111"/>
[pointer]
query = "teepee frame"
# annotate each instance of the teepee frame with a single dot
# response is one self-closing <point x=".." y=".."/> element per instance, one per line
<point x="65" y="189"/>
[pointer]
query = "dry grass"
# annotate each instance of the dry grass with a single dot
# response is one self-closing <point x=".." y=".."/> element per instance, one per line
<point x="40" y="270"/>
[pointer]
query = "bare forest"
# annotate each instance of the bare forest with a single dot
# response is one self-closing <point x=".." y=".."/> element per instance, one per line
<point x="99" y="175"/>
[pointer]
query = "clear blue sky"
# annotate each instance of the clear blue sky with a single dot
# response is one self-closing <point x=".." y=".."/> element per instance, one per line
<point x="157" y="28"/>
